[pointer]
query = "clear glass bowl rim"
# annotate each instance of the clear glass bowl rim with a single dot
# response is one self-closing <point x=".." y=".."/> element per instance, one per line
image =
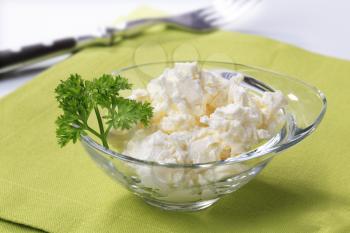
<point x="249" y="155"/>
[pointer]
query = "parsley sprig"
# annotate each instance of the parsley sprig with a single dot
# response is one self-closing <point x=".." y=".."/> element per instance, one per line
<point x="79" y="98"/>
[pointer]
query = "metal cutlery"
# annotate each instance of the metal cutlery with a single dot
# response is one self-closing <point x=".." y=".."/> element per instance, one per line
<point x="201" y="20"/>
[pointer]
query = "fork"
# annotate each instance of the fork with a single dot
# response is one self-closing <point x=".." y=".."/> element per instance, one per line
<point x="201" y="20"/>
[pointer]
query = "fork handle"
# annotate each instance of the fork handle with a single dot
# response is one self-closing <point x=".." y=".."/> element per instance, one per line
<point x="11" y="60"/>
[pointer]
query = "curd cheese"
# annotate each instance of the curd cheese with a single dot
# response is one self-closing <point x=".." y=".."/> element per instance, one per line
<point x="198" y="117"/>
<point x="201" y="117"/>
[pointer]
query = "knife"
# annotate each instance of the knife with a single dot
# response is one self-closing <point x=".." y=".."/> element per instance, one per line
<point x="201" y="20"/>
<point x="28" y="55"/>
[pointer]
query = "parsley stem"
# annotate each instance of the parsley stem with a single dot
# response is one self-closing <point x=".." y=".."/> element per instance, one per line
<point x="93" y="131"/>
<point x="100" y="125"/>
<point x="108" y="129"/>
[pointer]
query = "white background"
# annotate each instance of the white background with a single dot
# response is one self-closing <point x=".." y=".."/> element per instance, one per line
<point x="321" y="26"/>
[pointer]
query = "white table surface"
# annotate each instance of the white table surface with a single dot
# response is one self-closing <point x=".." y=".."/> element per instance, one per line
<point x="316" y="25"/>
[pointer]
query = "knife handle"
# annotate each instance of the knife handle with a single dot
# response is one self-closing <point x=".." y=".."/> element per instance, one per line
<point x="11" y="60"/>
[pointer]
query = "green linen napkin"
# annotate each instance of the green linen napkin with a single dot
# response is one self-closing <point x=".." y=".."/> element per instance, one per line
<point x="45" y="188"/>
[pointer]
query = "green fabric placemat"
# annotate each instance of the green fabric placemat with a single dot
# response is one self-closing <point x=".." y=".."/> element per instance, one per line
<point x="6" y="226"/>
<point x="305" y="189"/>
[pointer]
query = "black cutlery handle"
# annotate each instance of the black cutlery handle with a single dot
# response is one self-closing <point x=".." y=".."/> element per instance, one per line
<point x="10" y="58"/>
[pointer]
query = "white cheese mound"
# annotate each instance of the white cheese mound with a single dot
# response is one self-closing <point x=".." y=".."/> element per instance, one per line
<point x="200" y="117"/>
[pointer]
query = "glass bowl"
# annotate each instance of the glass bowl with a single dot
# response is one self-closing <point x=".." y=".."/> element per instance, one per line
<point x="191" y="187"/>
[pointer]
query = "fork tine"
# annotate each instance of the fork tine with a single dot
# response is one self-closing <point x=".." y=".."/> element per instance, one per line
<point x="248" y="6"/>
<point x="224" y="8"/>
<point x="232" y="13"/>
<point x="204" y="12"/>
<point x="208" y="11"/>
<point x="213" y="17"/>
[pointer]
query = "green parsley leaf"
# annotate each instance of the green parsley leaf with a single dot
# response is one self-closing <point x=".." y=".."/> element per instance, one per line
<point x="78" y="98"/>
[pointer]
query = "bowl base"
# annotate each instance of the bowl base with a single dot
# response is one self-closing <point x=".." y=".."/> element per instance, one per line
<point x="183" y="207"/>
